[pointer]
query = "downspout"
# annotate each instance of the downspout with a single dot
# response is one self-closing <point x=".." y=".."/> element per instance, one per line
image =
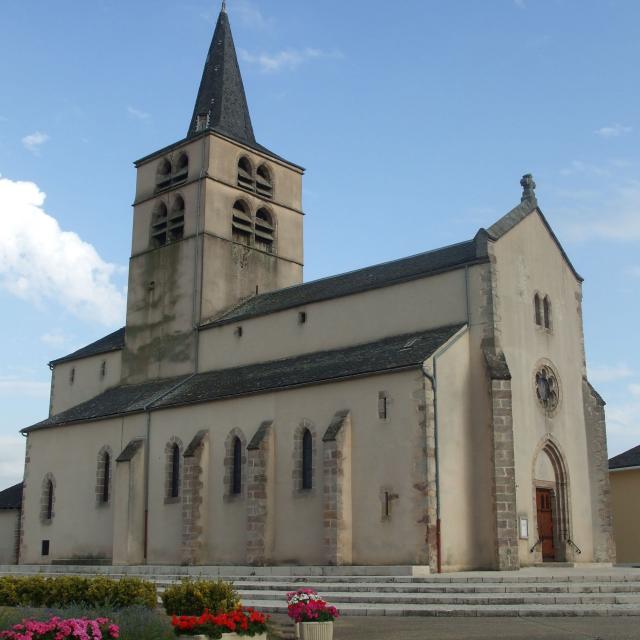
<point x="147" y="458"/>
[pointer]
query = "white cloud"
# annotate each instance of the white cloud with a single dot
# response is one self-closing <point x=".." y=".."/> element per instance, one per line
<point x="249" y="14"/>
<point x="613" y="131"/>
<point x="288" y="59"/>
<point x="607" y="373"/>
<point x="11" y="460"/>
<point x="34" y="141"/>
<point x="39" y="262"/>
<point x="12" y="386"/>
<point x="137" y="113"/>
<point x="614" y="215"/>
<point x="55" y="338"/>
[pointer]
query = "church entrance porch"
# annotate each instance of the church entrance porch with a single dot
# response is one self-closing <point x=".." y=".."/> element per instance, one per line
<point x="544" y="502"/>
<point x="551" y="505"/>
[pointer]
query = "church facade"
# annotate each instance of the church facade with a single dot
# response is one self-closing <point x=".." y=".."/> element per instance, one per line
<point x="431" y="411"/>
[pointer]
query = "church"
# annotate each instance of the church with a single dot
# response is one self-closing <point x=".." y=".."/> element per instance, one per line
<point x="433" y="411"/>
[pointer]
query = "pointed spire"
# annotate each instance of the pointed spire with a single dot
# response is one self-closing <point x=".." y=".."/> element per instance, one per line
<point x="221" y="103"/>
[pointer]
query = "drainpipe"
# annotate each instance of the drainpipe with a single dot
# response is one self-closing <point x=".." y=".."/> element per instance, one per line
<point x="147" y="457"/>
<point x="434" y="386"/>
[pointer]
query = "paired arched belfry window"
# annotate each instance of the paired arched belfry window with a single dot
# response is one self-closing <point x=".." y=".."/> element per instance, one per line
<point x="307" y="460"/>
<point x="168" y="173"/>
<point x="168" y="226"/>
<point x="236" y="474"/>
<point x="542" y="311"/>
<point x="259" y="233"/>
<point x="259" y="181"/>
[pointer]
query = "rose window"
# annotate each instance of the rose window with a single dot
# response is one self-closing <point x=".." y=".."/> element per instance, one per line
<point x="547" y="389"/>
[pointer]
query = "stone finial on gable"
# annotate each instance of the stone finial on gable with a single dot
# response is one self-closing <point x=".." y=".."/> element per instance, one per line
<point x="528" y="187"/>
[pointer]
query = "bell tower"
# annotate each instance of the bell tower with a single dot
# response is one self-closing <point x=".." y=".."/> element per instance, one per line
<point x="217" y="219"/>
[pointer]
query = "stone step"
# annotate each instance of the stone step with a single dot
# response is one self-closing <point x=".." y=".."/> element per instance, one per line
<point x="524" y="610"/>
<point x="510" y="578"/>
<point x="451" y="599"/>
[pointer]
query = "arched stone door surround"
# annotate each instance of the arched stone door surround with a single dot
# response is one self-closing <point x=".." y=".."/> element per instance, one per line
<point x="560" y="491"/>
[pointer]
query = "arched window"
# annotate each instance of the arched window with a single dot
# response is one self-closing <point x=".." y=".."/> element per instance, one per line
<point x="182" y="168"/>
<point x="176" y="222"/>
<point x="49" y="499"/>
<point x="264" y="230"/>
<point x="245" y="174"/>
<point x="236" y="477"/>
<point x="264" y="184"/>
<point x="537" y="308"/>
<point x="175" y="471"/>
<point x="307" y="460"/>
<point x="546" y="304"/>
<point x="106" y="477"/>
<point x="163" y="175"/>
<point x="241" y="223"/>
<point x="159" y="225"/>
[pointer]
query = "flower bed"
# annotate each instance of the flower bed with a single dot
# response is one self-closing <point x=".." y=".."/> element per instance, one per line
<point x="239" y="621"/>
<point x="59" y="629"/>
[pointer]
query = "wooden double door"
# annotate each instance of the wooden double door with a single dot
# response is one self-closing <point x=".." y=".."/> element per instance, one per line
<point x="544" y="504"/>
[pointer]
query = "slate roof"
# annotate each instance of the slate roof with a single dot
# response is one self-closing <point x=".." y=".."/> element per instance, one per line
<point x="11" y="498"/>
<point x="389" y="354"/>
<point x="346" y="284"/>
<point x="113" y="342"/>
<point x="629" y="458"/>
<point x="221" y="95"/>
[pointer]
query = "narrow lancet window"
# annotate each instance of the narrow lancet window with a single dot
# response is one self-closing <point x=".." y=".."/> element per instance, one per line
<point x="236" y="478"/>
<point x="537" y="309"/>
<point x="307" y="460"/>
<point x="175" y="471"/>
<point x="546" y="303"/>
<point x="49" y="511"/>
<point x="106" y="478"/>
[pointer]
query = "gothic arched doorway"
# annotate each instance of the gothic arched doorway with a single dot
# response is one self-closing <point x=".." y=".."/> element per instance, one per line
<point x="551" y="503"/>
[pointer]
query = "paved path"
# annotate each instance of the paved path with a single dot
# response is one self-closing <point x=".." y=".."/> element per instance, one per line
<point x="370" y="628"/>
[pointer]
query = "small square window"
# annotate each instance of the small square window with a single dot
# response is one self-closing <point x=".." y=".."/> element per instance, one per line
<point x="383" y="406"/>
<point x="238" y="332"/>
<point x="72" y="375"/>
<point x="45" y="547"/>
<point x="302" y="317"/>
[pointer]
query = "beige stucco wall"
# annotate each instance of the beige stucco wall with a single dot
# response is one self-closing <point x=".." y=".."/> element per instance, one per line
<point x="418" y="305"/>
<point x="528" y="260"/>
<point x="381" y="450"/>
<point x="9" y="519"/>
<point x="88" y="381"/>
<point x="625" y="487"/>
<point x="464" y="452"/>
<point x="80" y="527"/>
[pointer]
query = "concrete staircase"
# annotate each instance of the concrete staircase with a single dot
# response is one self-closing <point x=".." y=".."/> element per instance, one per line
<point x="397" y="592"/>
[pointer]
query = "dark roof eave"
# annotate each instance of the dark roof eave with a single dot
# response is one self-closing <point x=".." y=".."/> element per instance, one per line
<point x="329" y="296"/>
<point x="258" y="148"/>
<point x="71" y="358"/>
<point x="228" y="396"/>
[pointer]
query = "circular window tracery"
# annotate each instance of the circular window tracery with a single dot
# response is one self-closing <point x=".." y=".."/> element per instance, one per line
<point x="547" y="388"/>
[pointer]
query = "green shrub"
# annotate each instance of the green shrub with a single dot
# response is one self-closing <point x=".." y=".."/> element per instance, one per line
<point x="193" y="597"/>
<point x="38" y="591"/>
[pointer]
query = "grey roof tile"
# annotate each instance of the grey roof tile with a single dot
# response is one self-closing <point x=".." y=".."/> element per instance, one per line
<point x="394" y="353"/>
<point x="630" y="458"/>
<point x="11" y="498"/>
<point x="377" y="276"/>
<point x="113" y="342"/>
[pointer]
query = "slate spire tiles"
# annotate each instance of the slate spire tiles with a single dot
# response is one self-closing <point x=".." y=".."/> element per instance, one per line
<point x="221" y="104"/>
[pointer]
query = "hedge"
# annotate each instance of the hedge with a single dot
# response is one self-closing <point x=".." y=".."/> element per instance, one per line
<point x="194" y="597"/>
<point x="38" y="591"/>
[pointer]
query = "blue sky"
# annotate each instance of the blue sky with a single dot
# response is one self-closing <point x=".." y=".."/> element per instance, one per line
<point x="415" y="121"/>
